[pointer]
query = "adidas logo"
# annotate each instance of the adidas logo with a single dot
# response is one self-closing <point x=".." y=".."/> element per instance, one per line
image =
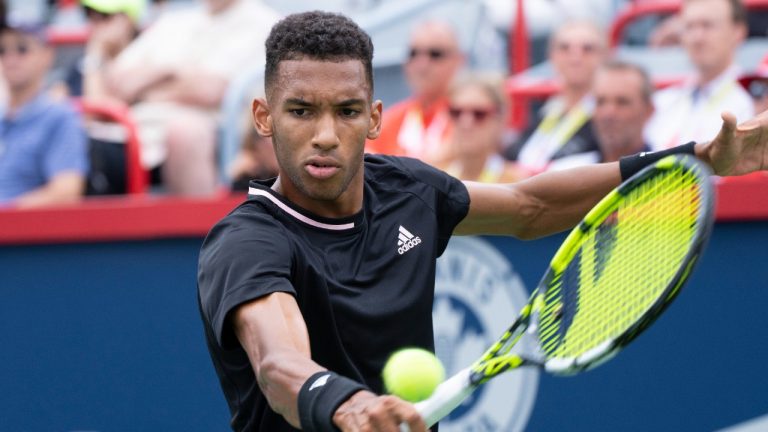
<point x="406" y="241"/>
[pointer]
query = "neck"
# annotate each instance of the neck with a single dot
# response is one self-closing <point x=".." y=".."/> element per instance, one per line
<point x="349" y="203"/>
<point x="19" y="96"/>
<point x="572" y="95"/>
<point x="707" y="75"/>
<point x="472" y="166"/>
<point x="613" y="154"/>
<point x="427" y="103"/>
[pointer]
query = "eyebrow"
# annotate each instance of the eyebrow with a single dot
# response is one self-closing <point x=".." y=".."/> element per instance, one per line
<point x="304" y="103"/>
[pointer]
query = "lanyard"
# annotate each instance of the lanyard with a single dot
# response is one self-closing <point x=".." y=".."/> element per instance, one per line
<point x="492" y="170"/>
<point x="684" y="116"/>
<point x="419" y="141"/>
<point x="555" y="130"/>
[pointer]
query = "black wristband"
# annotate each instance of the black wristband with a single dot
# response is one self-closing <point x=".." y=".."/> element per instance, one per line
<point x="631" y="165"/>
<point x="320" y="396"/>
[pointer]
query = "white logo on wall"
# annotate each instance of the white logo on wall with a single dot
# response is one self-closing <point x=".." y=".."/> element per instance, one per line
<point x="477" y="295"/>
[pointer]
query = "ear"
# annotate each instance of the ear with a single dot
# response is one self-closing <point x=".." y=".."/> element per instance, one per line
<point x="741" y="33"/>
<point x="262" y="118"/>
<point x="374" y="125"/>
<point x="649" y="113"/>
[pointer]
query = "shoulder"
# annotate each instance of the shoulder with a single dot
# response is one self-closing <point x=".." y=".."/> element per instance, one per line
<point x="52" y="113"/>
<point x="668" y="95"/>
<point x="251" y="216"/>
<point x="411" y="175"/>
<point x="383" y="167"/>
<point x="248" y="223"/>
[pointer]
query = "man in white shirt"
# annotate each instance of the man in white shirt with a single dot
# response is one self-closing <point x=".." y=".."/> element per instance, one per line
<point x="175" y="75"/>
<point x="712" y="32"/>
<point x="562" y="126"/>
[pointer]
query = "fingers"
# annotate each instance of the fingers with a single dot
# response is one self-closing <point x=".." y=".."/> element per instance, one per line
<point x="392" y="408"/>
<point x="729" y="121"/>
<point x="758" y="121"/>
<point x="370" y="413"/>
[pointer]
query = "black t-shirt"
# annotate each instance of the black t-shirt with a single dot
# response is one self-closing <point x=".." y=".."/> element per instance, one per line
<point x="364" y="284"/>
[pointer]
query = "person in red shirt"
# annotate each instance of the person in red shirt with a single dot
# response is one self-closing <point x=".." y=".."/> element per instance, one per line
<point x="418" y="126"/>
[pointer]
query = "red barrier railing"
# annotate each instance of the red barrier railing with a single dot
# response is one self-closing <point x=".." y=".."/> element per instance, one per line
<point x="638" y="9"/>
<point x="142" y="217"/>
<point x="137" y="178"/>
<point x="73" y="36"/>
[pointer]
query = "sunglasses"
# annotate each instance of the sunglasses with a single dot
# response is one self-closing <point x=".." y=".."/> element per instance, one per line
<point x="434" y="54"/>
<point x="586" y="48"/>
<point x="19" y="49"/>
<point x="94" y="15"/>
<point x="478" y="115"/>
<point x="758" y="89"/>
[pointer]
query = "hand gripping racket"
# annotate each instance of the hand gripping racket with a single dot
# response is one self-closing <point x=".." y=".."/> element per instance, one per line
<point x="614" y="274"/>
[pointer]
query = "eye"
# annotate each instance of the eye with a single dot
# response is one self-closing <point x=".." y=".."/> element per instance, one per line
<point x="349" y="112"/>
<point x="299" y="112"/>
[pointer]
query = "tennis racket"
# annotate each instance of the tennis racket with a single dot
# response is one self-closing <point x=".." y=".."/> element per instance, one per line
<point x="614" y="274"/>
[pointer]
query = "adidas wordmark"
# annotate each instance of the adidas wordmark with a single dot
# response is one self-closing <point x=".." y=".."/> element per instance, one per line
<point x="406" y="241"/>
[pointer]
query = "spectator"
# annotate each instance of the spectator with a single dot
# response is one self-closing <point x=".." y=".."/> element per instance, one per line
<point x="418" y="126"/>
<point x="563" y="126"/>
<point x="113" y="24"/>
<point x="756" y="84"/>
<point x="712" y="32"/>
<point x="478" y="107"/>
<point x="174" y="76"/>
<point x="42" y="143"/>
<point x="255" y="159"/>
<point x="623" y="106"/>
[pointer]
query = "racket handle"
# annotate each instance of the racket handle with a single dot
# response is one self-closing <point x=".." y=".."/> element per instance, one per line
<point x="446" y="397"/>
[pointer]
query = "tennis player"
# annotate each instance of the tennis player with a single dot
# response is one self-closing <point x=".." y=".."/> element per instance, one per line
<point x="310" y="284"/>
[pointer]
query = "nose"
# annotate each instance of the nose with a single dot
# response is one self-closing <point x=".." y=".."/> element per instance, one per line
<point x="325" y="137"/>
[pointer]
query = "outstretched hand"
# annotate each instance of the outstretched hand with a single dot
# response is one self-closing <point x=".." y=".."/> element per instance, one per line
<point x="366" y="411"/>
<point x="737" y="149"/>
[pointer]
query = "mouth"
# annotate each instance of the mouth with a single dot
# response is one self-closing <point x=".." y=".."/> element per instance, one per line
<point x="321" y="167"/>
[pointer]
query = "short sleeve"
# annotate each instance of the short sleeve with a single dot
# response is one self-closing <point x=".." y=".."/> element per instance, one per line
<point x="68" y="146"/>
<point x="245" y="256"/>
<point x="451" y="198"/>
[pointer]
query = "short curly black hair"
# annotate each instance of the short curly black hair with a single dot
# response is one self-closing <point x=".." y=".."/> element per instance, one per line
<point x="320" y="36"/>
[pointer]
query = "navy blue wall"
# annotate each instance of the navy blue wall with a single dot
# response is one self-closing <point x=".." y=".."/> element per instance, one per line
<point x="106" y="336"/>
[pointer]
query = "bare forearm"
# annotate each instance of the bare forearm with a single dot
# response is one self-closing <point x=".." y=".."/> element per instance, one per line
<point x="568" y="195"/>
<point x="194" y="88"/>
<point x="131" y="84"/>
<point x="95" y="89"/>
<point x="545" y="204"/>
<point x="280" y="377"/>
<point x="273" y="334"/>
<point x="65" y="189"/>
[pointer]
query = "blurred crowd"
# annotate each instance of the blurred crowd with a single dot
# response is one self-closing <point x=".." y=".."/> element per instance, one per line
<point x="167" y="70"/>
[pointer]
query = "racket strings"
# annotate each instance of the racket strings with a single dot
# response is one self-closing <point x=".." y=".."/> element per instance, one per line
<point x="639" y="244"/>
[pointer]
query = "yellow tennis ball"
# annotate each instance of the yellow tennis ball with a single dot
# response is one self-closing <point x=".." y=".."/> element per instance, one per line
<point x="412" y="374"/>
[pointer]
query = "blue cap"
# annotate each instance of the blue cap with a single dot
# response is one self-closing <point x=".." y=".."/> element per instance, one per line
<point x="23" y="21"/>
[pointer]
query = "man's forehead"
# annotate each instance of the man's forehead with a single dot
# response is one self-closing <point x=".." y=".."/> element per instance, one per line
<point x="580" y="34"/>
<point x="706" y="8"/>
<point x="434" y="33"/>
<point x="311" y="78"/>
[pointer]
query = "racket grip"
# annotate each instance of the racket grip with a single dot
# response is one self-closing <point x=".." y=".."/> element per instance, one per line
<point x="446" y="397"/>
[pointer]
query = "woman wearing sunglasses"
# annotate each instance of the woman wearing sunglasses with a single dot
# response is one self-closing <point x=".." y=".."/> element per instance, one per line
<point x="113" y="25"/>
<point x="477" y="108"/>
